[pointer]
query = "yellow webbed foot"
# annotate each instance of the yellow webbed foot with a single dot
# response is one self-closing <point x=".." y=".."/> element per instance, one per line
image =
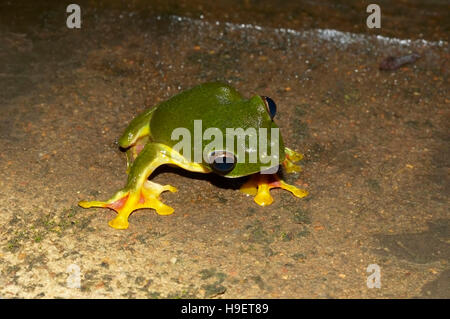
<point x="291" y="158"/>
<point x="261" y="184"/>
<point x="257" y="186"/>
<point x="151" y="192"/>
<point x="125" y="202"/>
<point x="293" y="155"/>
<point x="297" y="192"/>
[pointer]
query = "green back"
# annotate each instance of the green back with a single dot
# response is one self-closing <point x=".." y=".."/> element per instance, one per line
<point x="219" y="106"/>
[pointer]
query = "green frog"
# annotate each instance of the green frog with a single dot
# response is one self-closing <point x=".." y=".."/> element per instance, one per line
<point x="152" y="139"/>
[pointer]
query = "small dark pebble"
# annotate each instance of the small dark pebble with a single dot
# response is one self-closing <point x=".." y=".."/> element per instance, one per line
<point x="393" y="63"/>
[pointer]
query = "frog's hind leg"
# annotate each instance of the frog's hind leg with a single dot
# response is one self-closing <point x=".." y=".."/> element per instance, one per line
<point x="289" y="161"/>
<point x="139" y="192"/>
<point x="124" y="202"/>
<point x="135" y="136"/>
<point x="259" y="185"/>
<point x="138" y="128"/>
<point x="133" y="151"/>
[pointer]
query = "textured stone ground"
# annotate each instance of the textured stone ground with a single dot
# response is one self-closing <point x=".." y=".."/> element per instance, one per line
<point x="376" y="146"/>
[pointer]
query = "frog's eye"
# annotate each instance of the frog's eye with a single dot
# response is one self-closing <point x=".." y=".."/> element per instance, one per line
<point x="271" y="107"/>
<point x="222" y="162"/>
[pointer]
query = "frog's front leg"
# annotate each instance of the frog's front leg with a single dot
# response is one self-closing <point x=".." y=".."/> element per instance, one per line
<point x="259" y="185"/>
<point x="136" y="136"/>
<point x="139" y="192"/>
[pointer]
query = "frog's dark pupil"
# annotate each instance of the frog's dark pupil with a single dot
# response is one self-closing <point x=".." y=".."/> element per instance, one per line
<point x="223" y="166"/>
<point x="222" y="163"/>
<point x="271" y="106"/>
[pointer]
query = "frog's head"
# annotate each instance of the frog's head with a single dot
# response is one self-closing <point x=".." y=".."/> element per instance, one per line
<point x="258" y="145"/>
